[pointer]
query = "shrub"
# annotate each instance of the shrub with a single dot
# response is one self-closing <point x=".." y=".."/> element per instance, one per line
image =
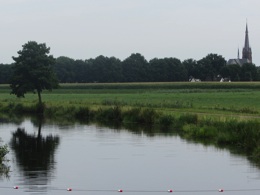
<point x="188" y="119"/>
<point x="40" y="107"/>
<point x="132" y="115"/>
<point x="83" y="113"/>
<point x="109" y="114"/>
<point x="166" y="120"/>
<point x="148" y="116"/>
<point x="208" y="132"/>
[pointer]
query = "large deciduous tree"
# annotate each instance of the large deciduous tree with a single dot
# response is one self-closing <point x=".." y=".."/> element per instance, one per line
<point x="134" y="68"/>
<point x="248" y="72"/>
<point x="211" y="65"/>
<point x="33" y="70"/>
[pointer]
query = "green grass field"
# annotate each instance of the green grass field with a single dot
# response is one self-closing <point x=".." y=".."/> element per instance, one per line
<point x="206" y="99"/>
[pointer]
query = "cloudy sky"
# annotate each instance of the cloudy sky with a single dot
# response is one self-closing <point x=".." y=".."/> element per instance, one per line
<point x="83" y="29"/>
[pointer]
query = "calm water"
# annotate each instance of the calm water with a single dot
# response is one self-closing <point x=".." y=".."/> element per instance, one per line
<point x="97" y="160"/>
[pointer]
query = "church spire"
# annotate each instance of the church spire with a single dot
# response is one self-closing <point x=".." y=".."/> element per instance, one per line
<point x="238" y="53"/>
<point x="247" y="52"/>
<point x="246" y="39"/>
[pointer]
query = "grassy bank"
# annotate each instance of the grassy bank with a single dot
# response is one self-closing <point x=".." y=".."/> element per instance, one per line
<point x="241" y="136"/>
<point x="225" y="99"/>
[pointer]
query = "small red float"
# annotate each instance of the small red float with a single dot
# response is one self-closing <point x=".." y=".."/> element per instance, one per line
<point x="69" y="189"/>
<point x="120" y="190"/>
<point x="16" y="187"/>
<point x="221" y="190"/>
<point x="170" y="191"/>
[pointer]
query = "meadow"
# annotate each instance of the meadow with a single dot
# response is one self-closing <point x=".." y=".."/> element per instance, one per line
<point x="240" y="100"/>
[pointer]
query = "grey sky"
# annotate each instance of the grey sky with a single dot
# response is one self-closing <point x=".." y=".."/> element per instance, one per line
<point x="83" y="29"/>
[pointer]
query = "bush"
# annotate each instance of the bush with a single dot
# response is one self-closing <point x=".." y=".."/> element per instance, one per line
<point x="109" y="114"/>
<point x="132" y="115"/>
<point x="148" y="116"/>
<point x="40" y="107"/>
<point x="166" y="120"/>
<point x="188" y="119"/>
<point x="83" y="114"/>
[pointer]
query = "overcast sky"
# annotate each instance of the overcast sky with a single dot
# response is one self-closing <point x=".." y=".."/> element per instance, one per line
<point x="83" y="29"/>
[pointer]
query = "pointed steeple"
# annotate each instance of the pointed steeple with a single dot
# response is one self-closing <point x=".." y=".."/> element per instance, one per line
<point x="247" y="52"/>
<point x="246" y="39"/>
<point x="238" y="53"/>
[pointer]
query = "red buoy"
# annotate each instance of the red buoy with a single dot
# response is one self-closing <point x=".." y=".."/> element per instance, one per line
<point x="221" y="190"/>
<point x="120" y="190"/>
<point x="170" y="191"/>
<point x="16" y="187"/>
<point x="69" y="189"/>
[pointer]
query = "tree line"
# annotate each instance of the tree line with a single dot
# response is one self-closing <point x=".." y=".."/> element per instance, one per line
<point x="136" y="68"/>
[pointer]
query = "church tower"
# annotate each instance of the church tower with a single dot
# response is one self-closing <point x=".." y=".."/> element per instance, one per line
<point x="247" y="52"/>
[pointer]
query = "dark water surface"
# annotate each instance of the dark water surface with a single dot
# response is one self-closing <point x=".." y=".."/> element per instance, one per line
<point x="97" y="160"/>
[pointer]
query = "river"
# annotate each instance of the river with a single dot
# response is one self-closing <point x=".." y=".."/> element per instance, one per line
<point x="88" y="159"/>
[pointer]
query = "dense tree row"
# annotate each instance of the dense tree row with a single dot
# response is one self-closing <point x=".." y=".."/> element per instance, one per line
<point x="136" y="68"/>
<point x="6" y="72"/>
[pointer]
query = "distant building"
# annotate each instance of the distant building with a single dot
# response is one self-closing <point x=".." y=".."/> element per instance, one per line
<point x="194" y="80"/>
<point x="238" y="61"/>
<point x="246" y="54"/>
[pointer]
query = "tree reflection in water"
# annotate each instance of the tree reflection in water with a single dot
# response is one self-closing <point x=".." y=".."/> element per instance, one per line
<point x="35" y="157"/>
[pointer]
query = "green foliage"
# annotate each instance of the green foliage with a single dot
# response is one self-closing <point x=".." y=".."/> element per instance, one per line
<point x="20" y="108"/>
<point x="248" y="72"/>
<point x="6" y="72"/>
<point x="33" y="70"/>
<point x="132" y="115"/>
<point x="83" y="113"/>
<point x="166" y="120"/>
<point x="210" y="67"/>
<point x="148" y="116"/>
<point x="167" y="69"/>
<point x="109" y="102"/>
<point x="40" y="107"/>
<point x="231" y="71"/>
<point x="188" y="119"/>
<point x="135" y="68"/>
<point x="112" y="114"/>
<point x="104" y="69"/>
<point x="199" y="132"/>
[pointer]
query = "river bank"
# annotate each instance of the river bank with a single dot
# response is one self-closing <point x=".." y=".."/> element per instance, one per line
<point x="223" y="115"/>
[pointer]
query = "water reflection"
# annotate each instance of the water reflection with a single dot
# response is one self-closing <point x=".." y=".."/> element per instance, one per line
<point x="117" y="158"/>
<point x="148" y="130"/>
<point x="35" y="157"/>
<point x="4" y="169"/>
